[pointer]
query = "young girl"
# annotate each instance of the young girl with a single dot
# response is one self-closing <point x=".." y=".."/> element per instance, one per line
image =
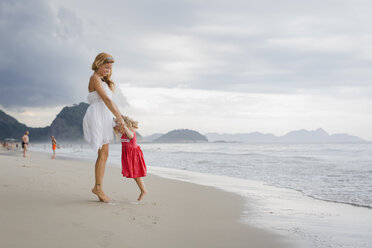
<point x="133" y="164"/>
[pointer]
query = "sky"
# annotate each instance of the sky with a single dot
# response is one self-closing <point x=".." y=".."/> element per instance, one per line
<point x="236" y="66"/>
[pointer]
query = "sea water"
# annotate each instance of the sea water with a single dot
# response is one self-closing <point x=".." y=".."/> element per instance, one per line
<point x="320" y="194"/>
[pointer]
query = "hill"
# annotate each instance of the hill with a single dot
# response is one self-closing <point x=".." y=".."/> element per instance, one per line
<point x="10" y="127"/>
<point x="318" y="136"/>
<point x="66" y="126"/>
<point x="181" y="136"/>
<point x="68" y="123"/>
<point x="298" y="136"/>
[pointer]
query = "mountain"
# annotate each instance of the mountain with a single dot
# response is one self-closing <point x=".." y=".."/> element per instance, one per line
<point x="298" y="136"/>
<point x="10" y="127"/>
<point x="305" y="136"/>
<point x="68" y="123"/>
<point x="181" y="136"/>
<point x="66" y="126"/>
<point x="318" y="136"/>
<point x="343" y="137"/>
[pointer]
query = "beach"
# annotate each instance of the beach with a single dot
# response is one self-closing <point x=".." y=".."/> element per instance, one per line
<point x="48" y="203"/>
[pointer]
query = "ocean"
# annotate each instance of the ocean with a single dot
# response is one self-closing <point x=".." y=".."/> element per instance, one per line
<point x="311" y="192"/>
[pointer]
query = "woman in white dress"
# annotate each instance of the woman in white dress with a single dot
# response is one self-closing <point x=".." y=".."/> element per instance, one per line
<point x="98" y="121"/>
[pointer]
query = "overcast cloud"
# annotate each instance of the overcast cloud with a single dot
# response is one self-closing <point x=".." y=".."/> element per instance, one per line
<point x="319" y="48"/>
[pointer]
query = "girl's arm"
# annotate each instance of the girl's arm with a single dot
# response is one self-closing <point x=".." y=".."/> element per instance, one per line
<point x="95" y="83"/>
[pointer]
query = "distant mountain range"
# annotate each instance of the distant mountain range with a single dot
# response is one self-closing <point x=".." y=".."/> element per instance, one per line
<point x="299" y="136"/>
<point x="67" y="126"/>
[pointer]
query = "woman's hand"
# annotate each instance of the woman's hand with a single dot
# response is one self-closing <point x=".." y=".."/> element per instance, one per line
<point x="121" y="125"/>
<point x="120" y="122"/>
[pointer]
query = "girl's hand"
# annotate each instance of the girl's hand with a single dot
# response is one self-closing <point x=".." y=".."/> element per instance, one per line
<point x="129" y="133"/>
<point x="118" y="130"/>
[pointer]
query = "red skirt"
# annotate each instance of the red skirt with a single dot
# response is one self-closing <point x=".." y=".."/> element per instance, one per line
<point x="132" y="162"/>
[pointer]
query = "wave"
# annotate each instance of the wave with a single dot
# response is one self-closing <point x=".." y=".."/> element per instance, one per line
<point x="340" y="202"/>
<point x="324" y="199"/>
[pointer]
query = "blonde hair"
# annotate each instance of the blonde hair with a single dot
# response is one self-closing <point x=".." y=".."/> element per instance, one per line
<point x="130" y="122"/>
<point x="104" y="58"/>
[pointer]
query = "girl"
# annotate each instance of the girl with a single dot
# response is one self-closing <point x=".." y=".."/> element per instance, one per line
<point x="133" y="164"/>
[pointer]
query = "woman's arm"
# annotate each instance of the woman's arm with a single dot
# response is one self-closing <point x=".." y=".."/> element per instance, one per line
<point x="95" y="83"/>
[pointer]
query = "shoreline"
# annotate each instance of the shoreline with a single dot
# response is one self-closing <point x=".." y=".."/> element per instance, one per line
<point x="284" y="211"/>
<point x="115" y="165"/>
<point x="50" y="202"/>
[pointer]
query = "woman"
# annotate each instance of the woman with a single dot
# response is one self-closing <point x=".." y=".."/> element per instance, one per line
<point x="98" y="120"/>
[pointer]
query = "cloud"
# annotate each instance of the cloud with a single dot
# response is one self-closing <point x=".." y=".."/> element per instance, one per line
<point x="246" y="46"/>
<point x="251" y="47"/>
<point x="43" y="61"/>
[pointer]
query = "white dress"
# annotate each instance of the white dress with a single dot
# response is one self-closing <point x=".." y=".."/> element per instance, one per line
<point x="98" y="121"/>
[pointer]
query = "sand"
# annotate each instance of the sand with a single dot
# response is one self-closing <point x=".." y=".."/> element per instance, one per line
<point x="47" y="203"/>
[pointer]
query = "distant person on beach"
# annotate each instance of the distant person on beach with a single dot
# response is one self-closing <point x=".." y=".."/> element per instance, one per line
<point x="54" y="146"/>
<point x="132" y="161"/>
<point x="25" y="141"/>
<point x="98" y="120"/>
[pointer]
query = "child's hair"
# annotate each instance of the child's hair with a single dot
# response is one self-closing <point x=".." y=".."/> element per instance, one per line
<point x="101" y="59"/>
<point x="130" y="122"/>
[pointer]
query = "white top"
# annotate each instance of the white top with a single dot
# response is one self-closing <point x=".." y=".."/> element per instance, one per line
<point x="98" y="120"/>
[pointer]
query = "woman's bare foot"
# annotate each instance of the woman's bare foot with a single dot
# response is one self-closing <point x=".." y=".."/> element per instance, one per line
<point x="101" y="195"/>
<point x="142" y="195"/>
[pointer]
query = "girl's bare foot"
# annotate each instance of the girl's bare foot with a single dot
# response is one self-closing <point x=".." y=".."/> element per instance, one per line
<point x="101" y="195"/>
<point x="142" y="195"/>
